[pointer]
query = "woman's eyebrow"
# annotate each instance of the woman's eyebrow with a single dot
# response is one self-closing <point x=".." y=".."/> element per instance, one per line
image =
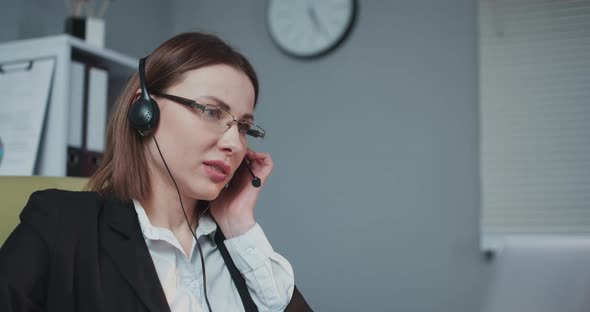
<point x="224" y="105"/>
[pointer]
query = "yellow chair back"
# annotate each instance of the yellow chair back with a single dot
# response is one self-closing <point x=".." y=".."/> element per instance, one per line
<point x="15" y="191"/>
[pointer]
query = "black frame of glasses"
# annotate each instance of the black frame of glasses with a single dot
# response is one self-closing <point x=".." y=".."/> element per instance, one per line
<point x="201" y="107"/>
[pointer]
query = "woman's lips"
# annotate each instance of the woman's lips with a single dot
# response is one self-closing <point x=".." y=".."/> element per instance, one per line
<point x="217" y="171"/>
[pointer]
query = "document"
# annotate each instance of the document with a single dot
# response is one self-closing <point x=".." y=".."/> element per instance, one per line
<point x="24" y="97"/>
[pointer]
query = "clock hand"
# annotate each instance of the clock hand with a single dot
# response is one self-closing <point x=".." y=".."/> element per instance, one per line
<point x="316" y="23"/>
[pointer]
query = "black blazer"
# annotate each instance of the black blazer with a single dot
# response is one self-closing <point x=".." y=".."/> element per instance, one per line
<point x="77" y="251"/>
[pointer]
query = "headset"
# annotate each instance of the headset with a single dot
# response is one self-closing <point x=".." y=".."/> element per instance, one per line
<point x="144" y="115"/>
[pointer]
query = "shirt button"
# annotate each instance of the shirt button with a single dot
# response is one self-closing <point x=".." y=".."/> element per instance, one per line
<point x="194" y="284"/>
<point x="250" y="251"/>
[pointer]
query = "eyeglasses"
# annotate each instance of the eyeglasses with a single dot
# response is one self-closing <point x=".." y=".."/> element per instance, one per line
<point x="217" y="116"/>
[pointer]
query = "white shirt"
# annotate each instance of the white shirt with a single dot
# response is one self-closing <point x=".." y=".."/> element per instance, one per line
<point x="268" y="275"/>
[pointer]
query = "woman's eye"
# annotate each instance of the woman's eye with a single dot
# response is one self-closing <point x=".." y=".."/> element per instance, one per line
<point x="212" y="113"/>
<point x="243" y="127"/>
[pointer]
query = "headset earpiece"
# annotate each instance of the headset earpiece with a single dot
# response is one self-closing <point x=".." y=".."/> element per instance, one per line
<point x="144" y="113"/>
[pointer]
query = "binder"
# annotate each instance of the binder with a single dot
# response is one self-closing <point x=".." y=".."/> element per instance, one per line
<point x="96" y="116"/>
<point x="88" y="118"/>
<point x="75" y="118"/>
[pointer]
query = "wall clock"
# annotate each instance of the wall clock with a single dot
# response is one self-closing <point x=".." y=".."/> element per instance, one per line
<point x="310" y="28"/>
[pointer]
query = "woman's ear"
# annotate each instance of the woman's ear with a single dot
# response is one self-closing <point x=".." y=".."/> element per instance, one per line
<point x="136" y="96"/>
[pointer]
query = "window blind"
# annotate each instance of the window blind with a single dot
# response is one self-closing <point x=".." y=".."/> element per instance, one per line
<point x="534" y="118"/>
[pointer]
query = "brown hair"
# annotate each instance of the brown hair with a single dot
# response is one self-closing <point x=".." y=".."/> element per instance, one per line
<point x="123" y="172"/>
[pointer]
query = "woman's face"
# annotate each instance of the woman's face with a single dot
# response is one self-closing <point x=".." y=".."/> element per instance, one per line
<point x="193" y="148"/>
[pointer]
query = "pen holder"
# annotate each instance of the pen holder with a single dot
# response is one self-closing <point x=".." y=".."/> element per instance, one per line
<point x="89" y="29"/>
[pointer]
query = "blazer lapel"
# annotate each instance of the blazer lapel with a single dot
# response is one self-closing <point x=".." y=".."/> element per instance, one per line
<point x="122" y="239"/>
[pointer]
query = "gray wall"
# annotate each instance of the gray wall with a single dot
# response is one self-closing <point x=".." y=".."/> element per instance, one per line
<point x="133" y="27"/>
<point x="375" y="195"/>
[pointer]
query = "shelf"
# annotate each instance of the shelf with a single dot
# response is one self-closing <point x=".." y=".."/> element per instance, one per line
<point x="64" y="49"/>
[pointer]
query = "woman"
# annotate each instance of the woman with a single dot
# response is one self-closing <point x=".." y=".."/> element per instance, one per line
<point x="177" y="155"/>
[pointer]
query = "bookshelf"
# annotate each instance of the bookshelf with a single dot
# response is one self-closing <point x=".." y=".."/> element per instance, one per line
<point x="52" y="156"/>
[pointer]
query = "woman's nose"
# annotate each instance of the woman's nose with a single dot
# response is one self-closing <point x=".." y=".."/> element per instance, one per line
<point x="231" y="140"/>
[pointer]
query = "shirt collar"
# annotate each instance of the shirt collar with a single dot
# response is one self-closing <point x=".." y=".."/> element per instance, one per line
<point x="207" y="225"/>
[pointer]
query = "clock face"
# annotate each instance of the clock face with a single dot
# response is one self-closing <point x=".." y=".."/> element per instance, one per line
<point x="307" y="28"/>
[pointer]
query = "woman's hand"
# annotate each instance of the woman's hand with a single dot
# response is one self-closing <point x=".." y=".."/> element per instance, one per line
<point x="233" y="209"/>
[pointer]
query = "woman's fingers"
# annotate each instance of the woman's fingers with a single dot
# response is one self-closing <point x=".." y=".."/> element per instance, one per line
<point x="260" y="162"/>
